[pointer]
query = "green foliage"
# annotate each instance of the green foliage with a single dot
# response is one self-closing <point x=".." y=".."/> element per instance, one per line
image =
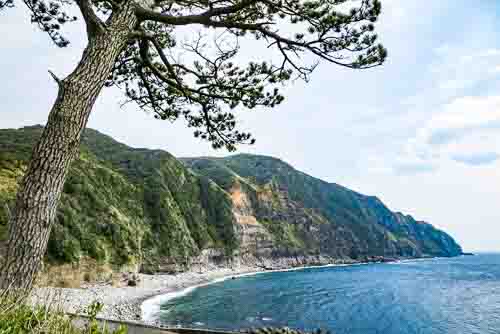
<point x="93" y="326"/>
<point x="206" y="91"/>
<point x="22" y="319"/>
<point x="19" y="318"/>
<point x="217" y="172"/>
<point x="218" y="207"/>
<point x="122" y="206"/>
<point x="63" y="246"/>
<point x="305" y="213"/>
<point x="286" y="237"/>
<point x="210" y="80"/>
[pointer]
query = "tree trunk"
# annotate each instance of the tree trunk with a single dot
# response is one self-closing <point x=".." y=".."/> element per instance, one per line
<point x="40" y="190"/>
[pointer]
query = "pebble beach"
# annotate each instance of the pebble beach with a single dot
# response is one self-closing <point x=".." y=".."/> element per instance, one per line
<point x="126" y="303"/>
<point x="140" y="303"/>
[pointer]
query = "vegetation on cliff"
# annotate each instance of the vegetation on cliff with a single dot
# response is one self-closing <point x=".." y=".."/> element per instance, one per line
<point x="139" y="207"/>
<point x="124" y="206"/>
<point x="308" y="215"/>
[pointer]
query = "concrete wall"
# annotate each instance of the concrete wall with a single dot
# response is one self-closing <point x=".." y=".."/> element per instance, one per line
<point x="135" y="328"/>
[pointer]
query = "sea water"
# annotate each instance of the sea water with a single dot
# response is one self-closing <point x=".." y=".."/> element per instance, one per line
<point x="457" y="295"/>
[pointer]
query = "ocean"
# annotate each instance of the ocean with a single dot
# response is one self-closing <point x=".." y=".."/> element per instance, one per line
<point x="456" y="295"/>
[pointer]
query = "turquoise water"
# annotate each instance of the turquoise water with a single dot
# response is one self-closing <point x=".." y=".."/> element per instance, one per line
<point x="459" y="295"/>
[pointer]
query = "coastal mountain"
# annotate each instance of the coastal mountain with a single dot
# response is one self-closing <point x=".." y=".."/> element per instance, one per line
<point x="300" y="214"/>
<point x="146" y="210"/>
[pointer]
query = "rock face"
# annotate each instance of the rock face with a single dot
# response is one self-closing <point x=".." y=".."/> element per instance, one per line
<point x="304" y="216"/>
<point x="144" y="209"/>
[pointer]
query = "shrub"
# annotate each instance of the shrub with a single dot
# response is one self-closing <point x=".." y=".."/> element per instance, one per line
<point x="20" y="318"/>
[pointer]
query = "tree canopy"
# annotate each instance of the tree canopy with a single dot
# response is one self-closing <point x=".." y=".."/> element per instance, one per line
<point x="204" y="79"/>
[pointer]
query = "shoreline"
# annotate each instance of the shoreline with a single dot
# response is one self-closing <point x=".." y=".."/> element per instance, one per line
<point x="150" y="306"/>
<point x="140" y="304"/>
<point x="125" y="302"/>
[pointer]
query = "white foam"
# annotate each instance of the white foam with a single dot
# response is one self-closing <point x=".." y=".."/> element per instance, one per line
<point x="415" y="261"/>
<point x="150" y="308"/>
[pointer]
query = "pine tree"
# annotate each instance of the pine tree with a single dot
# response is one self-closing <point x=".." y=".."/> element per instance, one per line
<point x="137" y="45"/>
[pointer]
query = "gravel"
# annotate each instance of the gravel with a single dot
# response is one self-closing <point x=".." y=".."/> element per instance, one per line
<point x="127" y="303"/>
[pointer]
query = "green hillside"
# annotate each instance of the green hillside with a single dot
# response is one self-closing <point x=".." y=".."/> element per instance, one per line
<point x="124" y="206"/>
<point x="146" y="209"/>
<point x="356" y="225"/>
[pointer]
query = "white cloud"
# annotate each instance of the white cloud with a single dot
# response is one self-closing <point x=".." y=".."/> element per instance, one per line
<point x="353" y="128"/>
<point x="464" y="130"/>
<point x="449" y="122"/>
<point x="466" y="112"/>
<point x="463" y="67"/>
<point x="477" y="159"/>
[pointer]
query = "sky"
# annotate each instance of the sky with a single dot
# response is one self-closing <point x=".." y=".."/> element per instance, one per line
<point x="422" y="132"/>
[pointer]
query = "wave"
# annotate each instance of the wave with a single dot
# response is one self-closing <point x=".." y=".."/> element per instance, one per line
<point x="151" y="307"/>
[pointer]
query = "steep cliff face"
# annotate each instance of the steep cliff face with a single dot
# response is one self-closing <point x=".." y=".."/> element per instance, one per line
<point x="139" y="208"/>
<point x="305" y="215"/>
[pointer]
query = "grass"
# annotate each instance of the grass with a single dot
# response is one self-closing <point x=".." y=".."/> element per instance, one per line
<point x="73" y="275"/>
<point x="20" y="318"/>
<point x="17" y="317"/>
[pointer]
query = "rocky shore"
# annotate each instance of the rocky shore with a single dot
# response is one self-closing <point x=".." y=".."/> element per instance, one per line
<point x="125" y="303"/>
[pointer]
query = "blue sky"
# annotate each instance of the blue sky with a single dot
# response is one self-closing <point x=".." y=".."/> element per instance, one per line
<point x="422" y="132"/>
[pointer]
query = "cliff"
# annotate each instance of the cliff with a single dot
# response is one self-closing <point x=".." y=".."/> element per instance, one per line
<point x="304" y="215"/>
<point x="145" y="209"/>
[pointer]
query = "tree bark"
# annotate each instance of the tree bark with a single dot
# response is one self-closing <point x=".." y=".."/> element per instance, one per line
<point x="40" y="190"/>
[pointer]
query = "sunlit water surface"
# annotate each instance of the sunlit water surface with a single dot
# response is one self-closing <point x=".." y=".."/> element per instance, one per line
<point x="459" y="295"/>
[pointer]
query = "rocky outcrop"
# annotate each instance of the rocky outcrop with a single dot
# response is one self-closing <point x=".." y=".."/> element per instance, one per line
<point x="305" y="216"/>
<point x="138" y="208"/>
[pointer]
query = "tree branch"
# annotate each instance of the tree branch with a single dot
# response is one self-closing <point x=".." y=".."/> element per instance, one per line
<point x="204" y="18"/>
<point x="145" y="14"/>
<point x="206" y="91"/>
<point x="93" y="22"/>
<point x="56" y="79"/>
